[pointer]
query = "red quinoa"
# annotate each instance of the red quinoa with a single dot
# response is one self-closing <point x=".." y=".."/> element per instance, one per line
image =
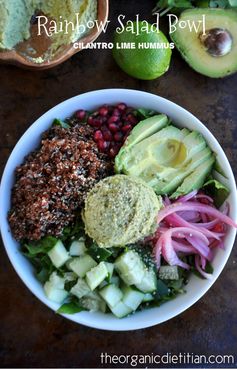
<point x="52" y="182"/>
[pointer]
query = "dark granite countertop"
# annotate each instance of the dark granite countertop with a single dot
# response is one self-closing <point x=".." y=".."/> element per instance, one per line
<point x="31" y="335"/>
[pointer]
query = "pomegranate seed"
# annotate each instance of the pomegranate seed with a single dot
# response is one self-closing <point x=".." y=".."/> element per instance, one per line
<point x="120" y="124"/>
<point x="122" y="106"/>
<point x="102" y="145"/>
<point x="124" y="117"/>
<point x="113" y="119"/>
<point x="107" y="135"/>
<point x="90" y="120"/>
<point x="98" y="135"/>
<point x="114" y="150"/>
<point x="96" y="123"/>
<point x="116" y="112"/>
<point x="104" y="128"/>
<point x="104" y="111"/>
<point x="118" y="137"/>
<point x="131" y="119"/>
<point x="126" y="128"/>
<point x="80" y="114"/>
<point x="113" y="127"/>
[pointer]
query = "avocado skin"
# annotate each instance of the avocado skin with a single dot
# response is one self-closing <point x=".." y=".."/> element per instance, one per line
<point x="194" y="55"/>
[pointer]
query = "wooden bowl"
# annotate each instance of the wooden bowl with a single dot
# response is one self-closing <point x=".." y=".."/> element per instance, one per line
<point x="28" y="54"/>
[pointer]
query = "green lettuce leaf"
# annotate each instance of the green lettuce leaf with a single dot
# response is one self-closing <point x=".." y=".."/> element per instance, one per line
<point x="217" y="190"/>
<point x="61" y="123"/>
<point x="70" y="308"/>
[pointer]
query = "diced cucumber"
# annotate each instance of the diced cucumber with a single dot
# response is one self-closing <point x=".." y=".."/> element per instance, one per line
<point x="130" y="267"/>
<point x="103" y="283"/>
<point x="80" y="289"/>
<point x="115" y="280"/>
<point x="162" y="289"/>
<point x="56" y="281"/>
<point x="148" y="282"/>
<point x="70" y="276"/>
<point x="82" y="264"/>
<point x="120" y="310"/>
<point x="110" y="268"/>
<point x="102" y="306"/>
<point x="58" y="254"/>
<point x="77" y="247"/>
<point x="132" y="298"/>
<point x="169" y="272"/>
<point x="54" y="294"/>
<point x="148" y="297"/>
<point x="111" y="294"/>
<point x="93" y="302"/>
<point x="96" y="275"/>
<point x="54" y="288"/>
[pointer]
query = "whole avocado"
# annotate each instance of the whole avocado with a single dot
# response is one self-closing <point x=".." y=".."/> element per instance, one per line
<point x="211" y="51"/>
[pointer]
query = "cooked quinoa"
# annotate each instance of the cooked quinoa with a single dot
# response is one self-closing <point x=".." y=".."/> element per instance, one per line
<point x="52" y="183"/>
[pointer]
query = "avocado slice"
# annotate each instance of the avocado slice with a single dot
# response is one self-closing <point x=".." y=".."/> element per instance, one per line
<point x="142" y="130"/>
<point x="196" y="179"/>
<point x="166" y="158"/>
<point x="153" y="152"/>
<point x="175" y="180"/>
<point x="146" y="128"/>
<point x="211" y="50"/>
<point x="158" y="158"/>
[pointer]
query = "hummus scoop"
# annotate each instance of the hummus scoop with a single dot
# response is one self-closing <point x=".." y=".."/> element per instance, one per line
<point x="120" y="210"/>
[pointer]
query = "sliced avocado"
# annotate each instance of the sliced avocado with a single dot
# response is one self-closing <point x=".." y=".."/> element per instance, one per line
<point x="166" y="158"/>
<point x="173" y="182"/>
<point x="146" y="128"/>
<point x="196" y="179"/>
<point x="185" y="131"/>
<point x="210" y="48"/>
<point x="142" y="130"/>
<point x="157" y="158"/>
<point x="154" y="152"/>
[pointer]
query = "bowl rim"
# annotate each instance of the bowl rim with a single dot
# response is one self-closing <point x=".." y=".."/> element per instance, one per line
<point x="83" y="317"/>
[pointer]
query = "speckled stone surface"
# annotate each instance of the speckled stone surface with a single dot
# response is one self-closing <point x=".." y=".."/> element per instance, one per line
<point x="31" y="335"/>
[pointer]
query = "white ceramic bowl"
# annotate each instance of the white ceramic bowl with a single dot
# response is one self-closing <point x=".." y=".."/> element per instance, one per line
<point x="196" y="288"/>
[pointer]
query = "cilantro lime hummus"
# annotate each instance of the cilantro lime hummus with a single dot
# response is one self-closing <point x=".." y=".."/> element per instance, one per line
<point x="16" y="16"/>
<point x="120" y="210"/>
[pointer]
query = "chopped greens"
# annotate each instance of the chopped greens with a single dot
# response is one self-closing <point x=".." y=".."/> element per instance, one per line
<point x="99" y="253"/>
<point x="144" y="113"/>
<point x="217" y="190"/>
<point x="165" y="6"/>
<point x="61" y="123"/>
<point x="71" y="307"/>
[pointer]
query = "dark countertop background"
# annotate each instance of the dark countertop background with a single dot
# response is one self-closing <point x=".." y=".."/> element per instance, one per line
<point x="31" y="335"/>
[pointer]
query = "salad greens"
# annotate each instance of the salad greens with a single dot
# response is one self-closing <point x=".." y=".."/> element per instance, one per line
<point x="217" y="190"/>
<point x="165" y="6"/>
<point x="61" y="123"/>
<point x="71" y="307"/>
<point x="47" y="273"/>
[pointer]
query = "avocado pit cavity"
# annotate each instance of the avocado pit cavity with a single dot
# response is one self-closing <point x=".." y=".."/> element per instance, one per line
<point x="217" y="42"/>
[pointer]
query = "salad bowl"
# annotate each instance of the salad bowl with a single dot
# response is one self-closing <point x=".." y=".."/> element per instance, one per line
<point x="196" y="287"/>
